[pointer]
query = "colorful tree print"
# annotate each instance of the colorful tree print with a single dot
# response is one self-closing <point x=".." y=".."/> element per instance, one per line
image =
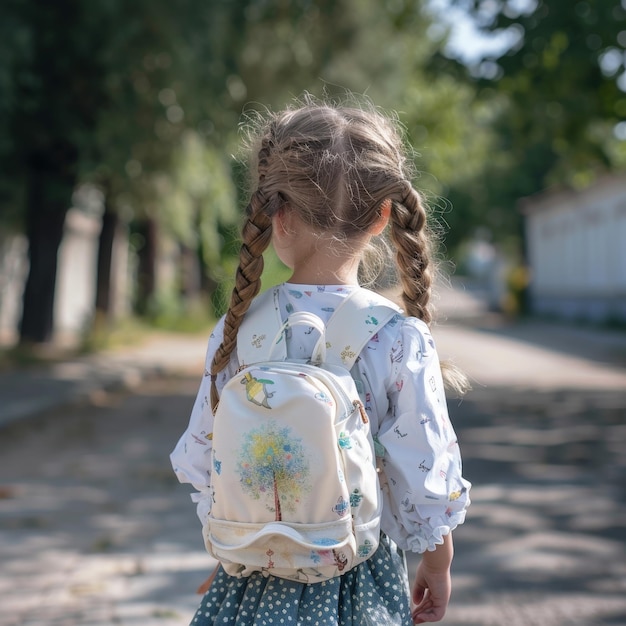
<point x="272" y="466"/>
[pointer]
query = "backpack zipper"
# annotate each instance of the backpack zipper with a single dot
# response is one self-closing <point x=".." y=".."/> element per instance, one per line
<point x="359" y="405"/>
<point x="349" y="406"/>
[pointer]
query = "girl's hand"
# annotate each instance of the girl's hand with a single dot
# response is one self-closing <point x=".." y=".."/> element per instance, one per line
<point x="431" y="593"/>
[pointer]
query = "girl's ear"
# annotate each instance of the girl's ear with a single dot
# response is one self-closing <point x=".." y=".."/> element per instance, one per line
<point x="383" y="218"/>
<point x="280" y="222"/>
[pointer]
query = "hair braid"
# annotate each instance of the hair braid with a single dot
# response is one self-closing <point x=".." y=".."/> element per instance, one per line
<point x="256" y="237"/>
<point x="409" y="234"/>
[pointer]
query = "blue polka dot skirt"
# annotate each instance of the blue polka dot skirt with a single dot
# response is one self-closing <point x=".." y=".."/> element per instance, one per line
<point x="375" y="593"/>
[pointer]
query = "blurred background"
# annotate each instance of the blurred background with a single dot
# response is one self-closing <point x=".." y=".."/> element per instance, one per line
<point x="122" y="183"/>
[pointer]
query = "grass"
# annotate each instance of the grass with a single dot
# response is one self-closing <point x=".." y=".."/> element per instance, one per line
<point x="103" y="335"/>
<point x="28" y="355"/>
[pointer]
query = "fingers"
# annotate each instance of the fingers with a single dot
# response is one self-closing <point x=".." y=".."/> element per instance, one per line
<point x="428" y="613"/>
<point x="427" y="608"/>
<point x="430" y="594"/>
<point x="418" y="595"/>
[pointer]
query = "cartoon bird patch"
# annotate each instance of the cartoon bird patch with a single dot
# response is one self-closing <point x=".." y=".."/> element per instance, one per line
<point x="256" y="390"/>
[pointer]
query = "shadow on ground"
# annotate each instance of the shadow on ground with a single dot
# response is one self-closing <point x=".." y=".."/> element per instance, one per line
<point x="599" y="344"/>
<point x="544" y="542"/>
<point x="94" y="527"/>
<point x="95" y="530"/>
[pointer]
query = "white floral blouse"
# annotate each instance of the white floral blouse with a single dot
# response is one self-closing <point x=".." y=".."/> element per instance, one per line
<point x="399" y="376"/>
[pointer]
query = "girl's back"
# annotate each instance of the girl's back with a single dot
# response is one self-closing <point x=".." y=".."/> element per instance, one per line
<point x="329" y="180"/>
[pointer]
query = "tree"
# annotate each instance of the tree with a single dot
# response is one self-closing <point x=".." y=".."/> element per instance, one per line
<point x="116" y="94"/>
<point x="149" y="56"/>
<point x="197" y="204"/>
<point x="557" y="95"/>
<point x="87" y="98"/>
<point x="272" y="467"/>
<point x="50" y="111"/>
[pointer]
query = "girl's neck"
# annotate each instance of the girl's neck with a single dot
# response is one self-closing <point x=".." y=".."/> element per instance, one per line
<point x="315" y="259"/>
<point x="324" y="269"/>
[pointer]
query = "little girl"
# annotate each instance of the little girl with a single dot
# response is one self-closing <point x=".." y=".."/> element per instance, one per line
<point x="329" y="180"/>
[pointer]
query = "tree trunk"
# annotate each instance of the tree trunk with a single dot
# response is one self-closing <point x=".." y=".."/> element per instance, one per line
<point x="146" y="270"/>
<point x="190" y="280"/>
<point x="104" y="283"/>
<point x="279" y="513"/>
<point x="48" y="201"/>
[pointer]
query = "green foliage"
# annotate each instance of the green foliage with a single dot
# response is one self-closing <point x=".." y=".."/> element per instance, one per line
<point x="167" y="312"/>
<point x="196" y="198"/>
<point x="103" y="335"/>
<point x="557" y="98"/>
<point x="143" y="99"/>
<point x="451" y="131"/>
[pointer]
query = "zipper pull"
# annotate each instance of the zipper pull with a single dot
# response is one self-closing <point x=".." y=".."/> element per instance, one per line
<point x="359" y="405"/>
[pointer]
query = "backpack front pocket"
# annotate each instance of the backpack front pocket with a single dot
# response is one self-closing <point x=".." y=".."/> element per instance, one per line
<point x="309" y="552"/>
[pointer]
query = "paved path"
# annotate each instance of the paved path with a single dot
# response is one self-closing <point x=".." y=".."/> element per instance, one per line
<point x="95" y="531"/>
<point x="28" y="391"/>
<point x="543" y="436"/>
<point x="527" y="354"/>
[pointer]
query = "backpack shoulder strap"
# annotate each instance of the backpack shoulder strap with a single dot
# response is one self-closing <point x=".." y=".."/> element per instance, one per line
<point x="261" y="323"/>
<point x="359" y="317"/>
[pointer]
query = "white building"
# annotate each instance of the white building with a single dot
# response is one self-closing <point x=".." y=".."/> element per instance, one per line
<point x="576" y="247"/>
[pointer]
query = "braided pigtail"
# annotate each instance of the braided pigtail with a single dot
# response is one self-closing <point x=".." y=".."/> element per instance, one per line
<point x="409" y="235"/>
<point x="256" y="237"/>
<point x="409" y="232"/>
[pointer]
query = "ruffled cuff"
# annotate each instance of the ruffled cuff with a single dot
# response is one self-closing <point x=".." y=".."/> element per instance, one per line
<point x="422" y="543"/>
<point x="203" y="507"/>
<point x="421" y="535"/>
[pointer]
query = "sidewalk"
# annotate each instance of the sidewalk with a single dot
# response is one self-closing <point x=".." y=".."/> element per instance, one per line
<point x="27" y="391"/>
<point x="526" y="354"/>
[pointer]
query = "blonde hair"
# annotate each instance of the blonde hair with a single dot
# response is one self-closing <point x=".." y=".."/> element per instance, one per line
<point x="334" y="166"/>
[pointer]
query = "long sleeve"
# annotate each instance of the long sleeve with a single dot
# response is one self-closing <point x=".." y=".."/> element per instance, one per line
<point x="191" y="458"/>
<point x="427" y="494"/>
<point x="399" y="374"/>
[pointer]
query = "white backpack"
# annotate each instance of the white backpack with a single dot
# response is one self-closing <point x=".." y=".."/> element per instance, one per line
<point x="295" y="487"/>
